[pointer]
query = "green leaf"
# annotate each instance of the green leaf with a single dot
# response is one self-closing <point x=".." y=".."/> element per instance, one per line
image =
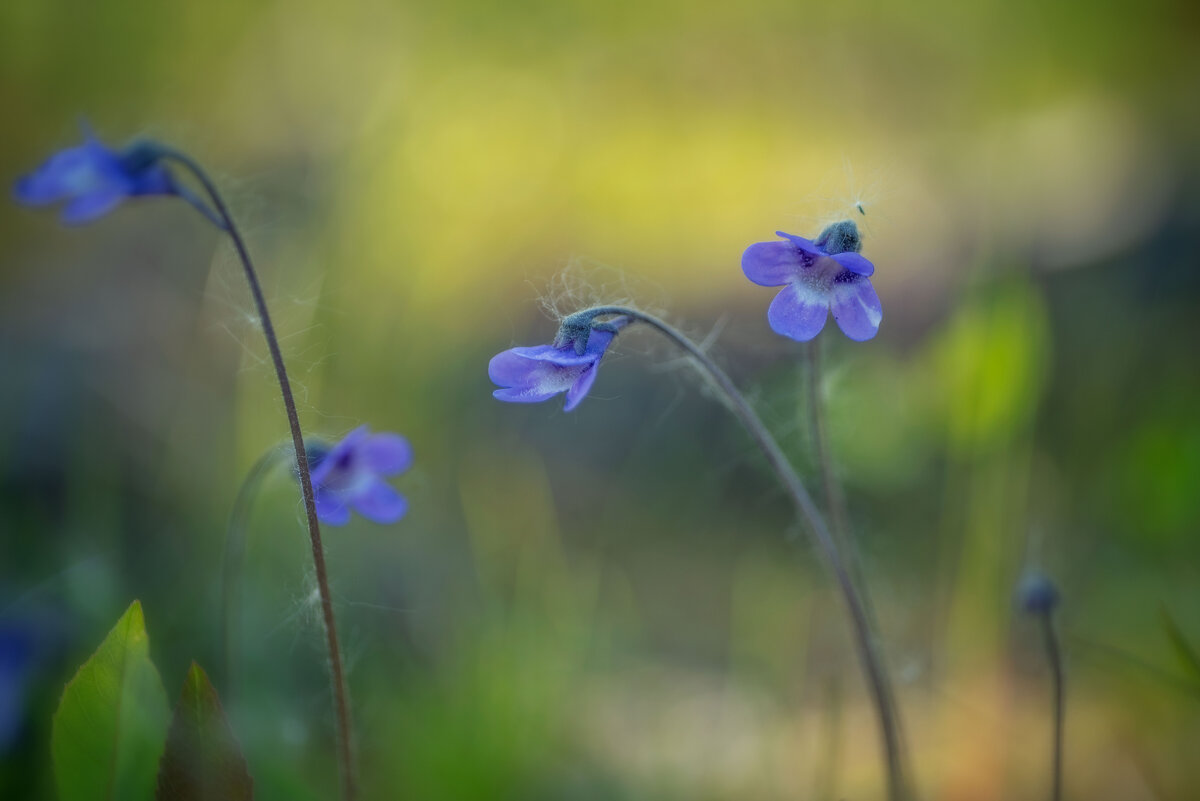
<point x="112" y="720"/>
<point x="203" y="761"/>
<point x="1183" y="649"/>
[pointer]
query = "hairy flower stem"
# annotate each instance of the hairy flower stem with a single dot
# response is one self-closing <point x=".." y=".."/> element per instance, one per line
<point x="1054" y="656"/>
<point x="835" y="503"/>
<point x="868" y="649"/>
<point x="835" y="500"/>
<point x="341" y="701"/>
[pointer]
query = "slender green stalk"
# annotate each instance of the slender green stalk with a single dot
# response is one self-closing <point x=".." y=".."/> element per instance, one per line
<point x="1054" y="656"/>
<point x="341" y="701"/>
<point x="827" y="765"/>
<point x="835" y="502"/>
<point x="869" y="653"/>
<point x="231" y="567"/>
<point x="835" y="499"/>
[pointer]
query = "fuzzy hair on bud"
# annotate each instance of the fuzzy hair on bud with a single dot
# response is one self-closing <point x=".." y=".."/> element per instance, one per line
<point x="841" y="237"/>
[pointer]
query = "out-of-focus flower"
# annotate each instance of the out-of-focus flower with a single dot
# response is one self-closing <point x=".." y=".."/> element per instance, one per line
<point x="350" y="475"/>
<point x="92" y="179"/>
<point x="538" y="373"/>
<point x="17" y="655"/>
<point x="1036" y="594"/>
<point x="828" y="274"/>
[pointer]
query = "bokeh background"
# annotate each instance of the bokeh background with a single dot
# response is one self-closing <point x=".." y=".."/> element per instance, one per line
<point x="617" y="603"/>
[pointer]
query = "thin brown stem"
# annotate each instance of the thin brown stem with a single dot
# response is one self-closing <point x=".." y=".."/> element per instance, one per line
<point x="341" y="701"/>
<point x="1054" y="656"/>
<point x="835" y="502"/>
<point x="835" y="498"/>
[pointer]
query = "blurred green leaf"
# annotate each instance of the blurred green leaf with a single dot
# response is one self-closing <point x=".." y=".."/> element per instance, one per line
<point x="992" y="360"/>
<point x="1183" y="649"/>
<point x="203" y="761"/>
<point x="112" y="721"/>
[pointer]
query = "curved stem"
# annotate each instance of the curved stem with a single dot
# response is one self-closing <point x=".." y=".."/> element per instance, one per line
<point x="835" y="500"/>
<point x="1054" y="655"/>
<point x="869" y="652"/>
<point x="200" y="206"/>
<point x="337" y="677"/>
<point x="231" y="567"/>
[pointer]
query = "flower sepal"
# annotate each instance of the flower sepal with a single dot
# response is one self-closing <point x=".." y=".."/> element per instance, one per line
<point x="576" y="329"/>
<point x="140" y="155"/>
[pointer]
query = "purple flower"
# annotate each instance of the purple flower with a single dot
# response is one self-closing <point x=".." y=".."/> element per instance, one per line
<point x="350" y="475"/>
<point x="93" y="179"/>
<point x="535" y="374"/>
<point x="817" y="277"/>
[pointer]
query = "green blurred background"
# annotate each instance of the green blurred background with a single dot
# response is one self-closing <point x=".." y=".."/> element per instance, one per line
<point x="617" y="603"/>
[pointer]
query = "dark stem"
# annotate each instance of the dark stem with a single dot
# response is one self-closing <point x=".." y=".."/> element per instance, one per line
<point x="337" y="677"/>
<point x="827" y="765"/>
<point x="231" y="568"/>
<point x="1054" y="655"/>
<point x="835" y="499"/>
<point x="868" y="649"/>
<point x="200" y="206"/>
<point x="835" y="503"/>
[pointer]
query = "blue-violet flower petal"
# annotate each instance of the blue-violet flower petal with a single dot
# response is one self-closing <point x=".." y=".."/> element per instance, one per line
<point x="535" y="374"/>
<point x="350" y="476"/>
<point x="91" y="180"/>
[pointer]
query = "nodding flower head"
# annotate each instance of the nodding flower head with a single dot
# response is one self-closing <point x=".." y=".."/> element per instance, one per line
<point x="538" y="373"/>
<point x="92" y="179"/>
<point x="350" y="475"/>
<point x="828" y="274"/>
<point x="1037" y="594"/>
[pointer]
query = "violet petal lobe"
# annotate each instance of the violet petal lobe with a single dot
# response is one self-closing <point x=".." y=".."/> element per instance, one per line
<point x="855" y="263"/>
<point x="85" y="208"/>
<point x="380" y="503"/>
<point x="509" y="368"/>
<point x="855" y="306"/>
<point x="73" y="172"/>
<point x="802" y="244"/>
<point x="580" y="388"/>
<point x="770" y="263"/>
<point x="798" y="312"/>
<point x="341" y="458"/>
<point x="565" y="356"/>
<point x="523" y="395"/>
<point x="525" y="380"/>
<point x="386" y="454"/>
<point x="331" y="507"/>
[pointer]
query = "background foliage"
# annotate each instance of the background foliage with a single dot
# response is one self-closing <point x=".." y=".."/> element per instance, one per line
<point x="616" y="603"/>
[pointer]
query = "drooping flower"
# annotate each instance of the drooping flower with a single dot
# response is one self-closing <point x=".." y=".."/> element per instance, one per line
<point x="350" y="475"/>
<point x="92" y="179"/>
<point x="538" y="373"/>
<point x="817" y="277"/>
